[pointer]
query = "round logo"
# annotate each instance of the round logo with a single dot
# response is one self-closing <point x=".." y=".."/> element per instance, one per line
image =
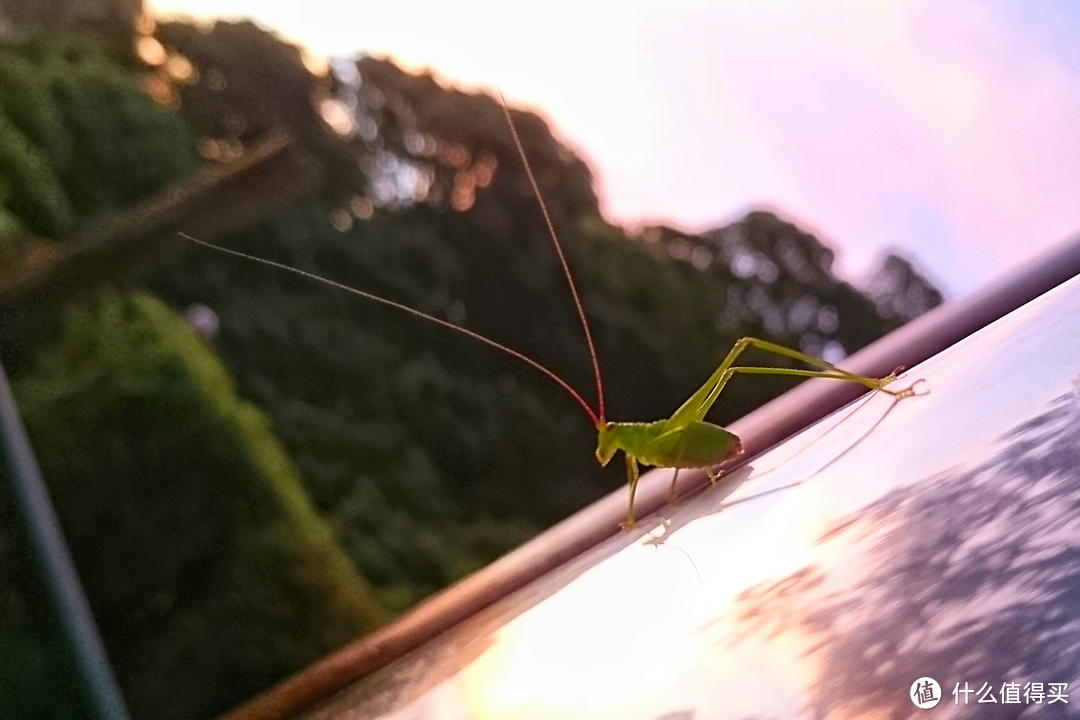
<point x="925" y="693"/>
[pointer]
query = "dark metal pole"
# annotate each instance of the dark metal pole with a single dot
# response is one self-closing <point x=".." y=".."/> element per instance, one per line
<point x="54" y="564"/>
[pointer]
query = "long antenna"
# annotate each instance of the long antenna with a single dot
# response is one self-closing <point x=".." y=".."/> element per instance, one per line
<point x="562" y="258"/>
<point x="405" y="308"/>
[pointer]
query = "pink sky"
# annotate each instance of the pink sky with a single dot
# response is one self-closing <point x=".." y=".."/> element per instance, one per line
<point x="946" y="129"/>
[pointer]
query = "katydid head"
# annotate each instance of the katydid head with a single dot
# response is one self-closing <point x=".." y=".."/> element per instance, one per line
<point x="606" y="445"/>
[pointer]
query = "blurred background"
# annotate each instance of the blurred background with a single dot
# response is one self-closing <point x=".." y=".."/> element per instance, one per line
<point x="252" y="470"/>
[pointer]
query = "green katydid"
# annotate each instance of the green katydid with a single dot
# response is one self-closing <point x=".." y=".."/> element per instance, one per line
<point x="683" y="441"/>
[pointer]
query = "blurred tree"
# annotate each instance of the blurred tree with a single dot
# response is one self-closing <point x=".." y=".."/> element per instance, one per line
<point x="781" y="282"/>
<point x="53" y="14"/>
<point x="78" y="138"/>
<point x="900" y="291"/>
<point x="209" y="572"/>
<point x="247" y="84"/>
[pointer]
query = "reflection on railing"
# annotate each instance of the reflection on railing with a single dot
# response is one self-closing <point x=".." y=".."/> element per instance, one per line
<point x="944" y="585"/>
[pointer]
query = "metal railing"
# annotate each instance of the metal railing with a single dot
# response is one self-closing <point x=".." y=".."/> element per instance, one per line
<point x="54" y="565"/>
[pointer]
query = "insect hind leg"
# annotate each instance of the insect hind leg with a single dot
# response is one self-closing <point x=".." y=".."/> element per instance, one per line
<point x="632" y="477"/>
<point x="672" y="497"/>
<point x="840" y="373"/>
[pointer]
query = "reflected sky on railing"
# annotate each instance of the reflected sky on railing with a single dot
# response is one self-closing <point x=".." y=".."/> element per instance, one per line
<point x="938" y="535"/>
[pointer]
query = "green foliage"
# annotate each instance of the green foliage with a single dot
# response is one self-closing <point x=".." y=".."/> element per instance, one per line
<point x="250" y="83"/>
<point x="210" y="573"/>
<point x="364" y="402"/>
<point x="34" y="193"/>
<point x="78" y="138"/>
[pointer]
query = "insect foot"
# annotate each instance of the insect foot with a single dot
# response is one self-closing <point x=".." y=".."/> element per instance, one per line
<point x="910" y="391"/>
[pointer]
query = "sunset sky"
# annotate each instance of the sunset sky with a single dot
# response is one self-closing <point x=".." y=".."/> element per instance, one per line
<point x="950" y="130"/>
